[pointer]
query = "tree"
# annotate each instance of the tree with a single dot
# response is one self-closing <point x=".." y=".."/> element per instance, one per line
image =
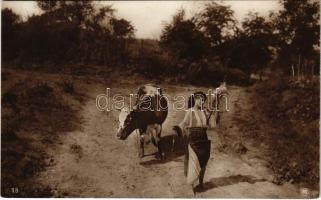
<point x="183" y="38"/>
<point x="122" y="31"/>
<point x="217" y="22"/>
<point x="298" y="32"/>
<point x="251" y="49"/>
<point x="10" y="23"/>
<point x="255" y="25"/>
<point x="47" y="6"/>
<point x="74" y="31"/>
<point x="122" y="28"/>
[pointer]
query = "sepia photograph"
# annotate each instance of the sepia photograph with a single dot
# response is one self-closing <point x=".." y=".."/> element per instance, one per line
<point x="160" y="99"/>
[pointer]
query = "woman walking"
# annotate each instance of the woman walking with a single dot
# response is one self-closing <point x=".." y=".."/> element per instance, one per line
<point x="194" y="129"/>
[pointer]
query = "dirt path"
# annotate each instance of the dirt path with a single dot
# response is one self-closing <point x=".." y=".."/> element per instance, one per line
<point x="93" y="163"/>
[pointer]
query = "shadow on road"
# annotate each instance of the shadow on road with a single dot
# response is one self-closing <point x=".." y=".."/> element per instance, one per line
<point x="230" y="180"/>
<point x="173" y="147"/>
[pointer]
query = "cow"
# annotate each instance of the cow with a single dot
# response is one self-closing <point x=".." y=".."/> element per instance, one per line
<point x="147" y="116"/>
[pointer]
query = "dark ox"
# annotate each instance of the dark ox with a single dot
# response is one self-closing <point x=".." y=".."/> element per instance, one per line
<point x="147" y="116"/>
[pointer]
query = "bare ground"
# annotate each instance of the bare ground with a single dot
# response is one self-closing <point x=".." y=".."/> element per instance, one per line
<point x="91" y="162"/>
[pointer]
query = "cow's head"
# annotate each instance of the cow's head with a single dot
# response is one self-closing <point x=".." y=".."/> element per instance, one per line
<point x="127" y="123"/>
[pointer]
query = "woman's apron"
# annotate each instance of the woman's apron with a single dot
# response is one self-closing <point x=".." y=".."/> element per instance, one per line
<point x="197" y="153"/>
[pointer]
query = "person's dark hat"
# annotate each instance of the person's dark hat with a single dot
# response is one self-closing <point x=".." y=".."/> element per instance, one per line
<point x="191" y="99"/>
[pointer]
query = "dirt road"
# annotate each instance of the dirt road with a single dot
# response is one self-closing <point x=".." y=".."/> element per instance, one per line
<point x="93" y="163"/>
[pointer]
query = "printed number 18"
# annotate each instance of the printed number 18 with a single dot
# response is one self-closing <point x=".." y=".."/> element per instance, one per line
<point x="14" y="190"/>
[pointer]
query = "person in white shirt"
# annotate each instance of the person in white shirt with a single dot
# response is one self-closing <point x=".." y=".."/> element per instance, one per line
<point x="194" y="129"/>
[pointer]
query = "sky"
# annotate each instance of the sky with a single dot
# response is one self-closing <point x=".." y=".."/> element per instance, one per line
<point x="149" y="17"/>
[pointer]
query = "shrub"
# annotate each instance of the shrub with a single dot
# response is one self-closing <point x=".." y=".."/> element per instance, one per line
<point x="68" y="86"/>
<point x="293" y="115"/>
<point x="9" y="99"/>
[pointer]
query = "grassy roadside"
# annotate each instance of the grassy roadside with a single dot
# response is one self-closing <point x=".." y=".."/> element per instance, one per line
<point x="289" y="127"/>
<point x="35" y="112"/>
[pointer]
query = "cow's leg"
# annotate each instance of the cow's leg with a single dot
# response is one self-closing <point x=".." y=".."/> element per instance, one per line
<point x="161" y="152"/>
<point x="155" y="132"/>
<point x="141" y="144"/>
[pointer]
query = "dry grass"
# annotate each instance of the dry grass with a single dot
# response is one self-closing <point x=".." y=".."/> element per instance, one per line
<point x="34" y="114"/>
<point x="291" y="118"/>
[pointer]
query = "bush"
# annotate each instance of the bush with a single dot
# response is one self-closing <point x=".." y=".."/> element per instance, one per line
<point x="41" y="89"/>
<point x="293" y="140"/>
<point x="9" y="99"/>
<point x="213" y="73"/>
<point x="5" y="76"/>
<point x="68" y="86"/>
<point x="153" y="64"/>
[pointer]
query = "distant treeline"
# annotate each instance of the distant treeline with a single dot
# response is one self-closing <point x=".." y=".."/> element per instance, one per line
<point x="66" y="32"/>
<point x="212" y="42"/>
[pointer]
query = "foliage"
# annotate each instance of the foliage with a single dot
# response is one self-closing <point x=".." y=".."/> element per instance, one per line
<point x="217" y="22"/>
<point x="298" y="28"/>
<point x="183" y="38"/>
<point x="292" y="114"/>
<point x="68" y="86"/>
<point x="69" y="32"/>
<point x="81" y="32"/>
<point x="10" y="29"/>
<point x="251" y="48"/>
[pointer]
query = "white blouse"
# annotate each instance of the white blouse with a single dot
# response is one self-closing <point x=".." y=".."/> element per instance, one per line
<point x="193" y="118"/>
